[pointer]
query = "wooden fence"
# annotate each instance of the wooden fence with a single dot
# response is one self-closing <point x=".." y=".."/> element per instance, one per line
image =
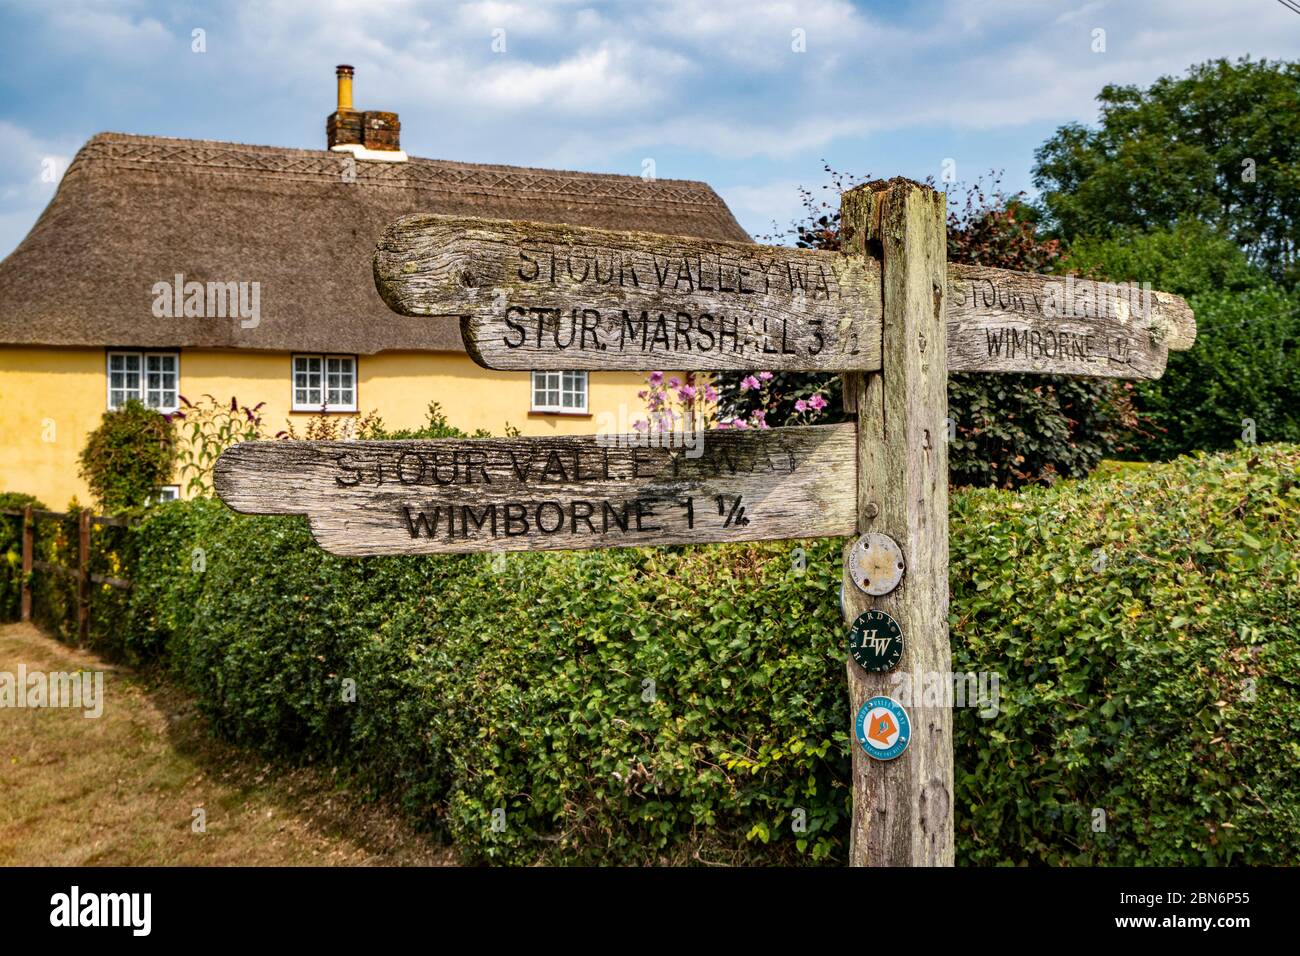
<point x="82" y="573"/>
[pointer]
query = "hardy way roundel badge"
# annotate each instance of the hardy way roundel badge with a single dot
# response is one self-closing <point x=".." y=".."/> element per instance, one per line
<point x="883" y="728"/>
<point x="876" y="641"/>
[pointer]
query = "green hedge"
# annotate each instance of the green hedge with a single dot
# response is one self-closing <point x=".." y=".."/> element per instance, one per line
<point x="1124" y="614"/>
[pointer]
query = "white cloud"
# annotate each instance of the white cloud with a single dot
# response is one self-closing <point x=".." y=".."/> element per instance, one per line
<point x="33" y="166"/>
<point x="719" y="76"/>
<point x="593" y="83"/>
<point x="28" y="178"/>
<point x="114" y="35"/>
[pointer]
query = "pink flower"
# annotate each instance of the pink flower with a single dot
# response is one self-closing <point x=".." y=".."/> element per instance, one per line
<point x="710" y="393"/>
<point x="656" y="378"/>
<point x="686" y="393"/>
<point x="801" y="406"/>
<point x="640" y="426"/>
<point x="817" y="402"/>
<point x="765" y="376"/>
<point x="740" y="424"/>
<point x="749" y="382"/>
<point x="674" y="382"/>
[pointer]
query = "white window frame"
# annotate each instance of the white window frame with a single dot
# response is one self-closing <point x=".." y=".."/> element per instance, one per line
<point x="556" y="386"/>
<point x="322" y="386"/>
<point x="169" y="493"/>
<point x="142" y="389"/>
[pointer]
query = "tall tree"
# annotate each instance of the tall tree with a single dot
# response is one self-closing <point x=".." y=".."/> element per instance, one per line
<point x="1220" y="145"/>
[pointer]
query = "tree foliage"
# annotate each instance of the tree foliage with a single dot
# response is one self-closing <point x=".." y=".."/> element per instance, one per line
<point x="1242" y="376"/>
<point x="1220" y="145"/>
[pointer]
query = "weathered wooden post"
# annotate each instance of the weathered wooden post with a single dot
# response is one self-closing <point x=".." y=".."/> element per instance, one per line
<point x="902" y="809"/>
<point x="29" y="534"/>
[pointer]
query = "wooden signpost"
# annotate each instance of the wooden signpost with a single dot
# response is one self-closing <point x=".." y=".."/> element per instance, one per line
<point x="888" y="312"/>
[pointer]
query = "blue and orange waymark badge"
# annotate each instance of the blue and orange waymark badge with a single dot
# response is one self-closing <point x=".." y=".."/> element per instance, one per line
<point x="883" y="728"/>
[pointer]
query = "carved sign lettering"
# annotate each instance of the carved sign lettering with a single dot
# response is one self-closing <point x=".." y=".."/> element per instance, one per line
<point x="535" y="296"/>
<point x="452" y="495"/>
<point x="541" y="296"/>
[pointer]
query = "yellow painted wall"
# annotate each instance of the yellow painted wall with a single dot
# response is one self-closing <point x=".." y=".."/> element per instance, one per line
<point x="51" y="398"/>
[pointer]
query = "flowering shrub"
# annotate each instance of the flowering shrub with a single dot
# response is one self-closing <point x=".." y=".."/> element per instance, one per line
<point x="762" y="402"/>
<point x="675" y="404"/>
<point x="205" y="429"/>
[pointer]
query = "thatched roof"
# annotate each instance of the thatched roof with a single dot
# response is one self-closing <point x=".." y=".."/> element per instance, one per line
<point x="132" y="211"/>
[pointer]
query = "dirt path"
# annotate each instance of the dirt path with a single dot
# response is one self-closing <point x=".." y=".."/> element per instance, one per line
<point x="122" y="789"/>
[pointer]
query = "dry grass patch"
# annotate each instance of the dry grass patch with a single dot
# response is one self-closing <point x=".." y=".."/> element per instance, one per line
<point x="121" y="790"/>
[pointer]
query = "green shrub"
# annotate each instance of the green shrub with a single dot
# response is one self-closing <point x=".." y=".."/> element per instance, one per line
<point x="1245" y="366"/>
<point x="205" y="429"/>
<point x="1132" y="619"/>
<point x="128" y="457"/>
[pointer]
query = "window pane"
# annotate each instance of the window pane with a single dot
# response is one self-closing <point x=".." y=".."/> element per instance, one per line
<point x="307" y="388"/>
<point x="539" y="389"/>
<point x="340" y="381"/>
<point x="575" y="390"/>
<point x="123" y="378"/>
<point x="160" y="381"/>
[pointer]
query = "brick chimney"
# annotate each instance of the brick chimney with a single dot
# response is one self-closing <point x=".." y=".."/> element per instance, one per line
<point x="372" y="134"/>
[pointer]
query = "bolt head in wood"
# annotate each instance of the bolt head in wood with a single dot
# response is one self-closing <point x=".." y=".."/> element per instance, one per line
<point x="876" y="564"/>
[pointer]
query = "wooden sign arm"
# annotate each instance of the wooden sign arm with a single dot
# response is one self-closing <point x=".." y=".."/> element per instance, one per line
<point x="534" y="295"/>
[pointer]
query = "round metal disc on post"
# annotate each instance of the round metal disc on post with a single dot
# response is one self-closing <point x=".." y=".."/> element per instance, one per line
<point x="876" y="564"/>
<point x="876" y="641"/>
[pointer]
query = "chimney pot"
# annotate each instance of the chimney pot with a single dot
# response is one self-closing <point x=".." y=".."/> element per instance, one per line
<point x="344" y="74"/>
<point x="372" y="134"/>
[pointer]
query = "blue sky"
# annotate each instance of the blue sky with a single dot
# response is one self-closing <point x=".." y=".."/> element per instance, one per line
<point x="707" y="89"/>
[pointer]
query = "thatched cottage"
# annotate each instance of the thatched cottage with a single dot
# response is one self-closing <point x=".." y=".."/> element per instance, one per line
<point x="111" y="295"/>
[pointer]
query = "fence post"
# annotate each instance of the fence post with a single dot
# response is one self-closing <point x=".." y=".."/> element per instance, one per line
<point x="29" y="531"/>
<point x="902" y="808"/>
<point x="83" y="576"/>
